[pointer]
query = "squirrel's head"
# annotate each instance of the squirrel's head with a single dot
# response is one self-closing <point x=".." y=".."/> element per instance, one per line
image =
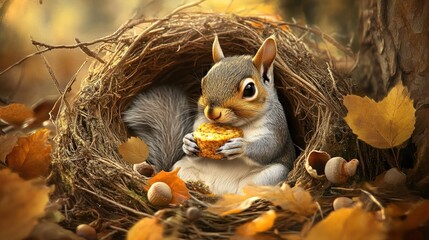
<point x="237" y="90"/>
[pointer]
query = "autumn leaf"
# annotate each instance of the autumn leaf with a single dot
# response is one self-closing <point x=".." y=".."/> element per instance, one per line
<point x="146" y="228"/>
<point x="7" y="142"/>
<point x="41" y="112"/>
<point x="261" y="224"/>
<point x="178" y="187"/>
<point x="22" y="203"/>
<point x="134" y="150"/>
<point x="384" y="124"/>
<point x="31" y="156"/>
<point x="409" y="221"/>
<point x="294" y="199"/>
<point x="15" y="114"/>
<point x="348" y="223"/>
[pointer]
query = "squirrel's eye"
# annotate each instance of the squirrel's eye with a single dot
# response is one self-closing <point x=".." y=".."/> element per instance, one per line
<point x="249" y="90"/>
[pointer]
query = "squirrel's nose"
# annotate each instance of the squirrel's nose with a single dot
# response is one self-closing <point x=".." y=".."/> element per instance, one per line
<point x="212" y="113"/>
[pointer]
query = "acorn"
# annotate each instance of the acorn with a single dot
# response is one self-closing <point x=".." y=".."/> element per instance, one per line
<point x="160" y="194"/>
<point x="86" y="231"/>
<point x="193" y="213"/>
<point x="315" y="163"/>
<point x="338" y="170"/>
<point x="393" y="177"/>
<point x="342" y="202"/>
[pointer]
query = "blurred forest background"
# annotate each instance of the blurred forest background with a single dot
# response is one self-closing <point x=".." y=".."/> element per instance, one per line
<point x="59" y="22"/>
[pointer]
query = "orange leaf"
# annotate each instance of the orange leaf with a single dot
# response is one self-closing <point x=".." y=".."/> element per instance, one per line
<point x="134" y="150"/>
<point x="348" y="223"/>
<point x="31" y="156"/>
<point x="178" y="187"/>
<point x="261" y="224"/>
<point x="22" y="203"/>
<point x="147" y="229"/>
<point x="15" y="114"/>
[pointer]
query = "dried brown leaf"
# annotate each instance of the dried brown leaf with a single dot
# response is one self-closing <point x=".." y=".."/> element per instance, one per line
<point x="22" y="203"/>
<point x="384" y="124"/>
<point x="409" y="220"/>
<point x="348" y="223"/>
<point x="31" y="156"/>
<point x="15" y="114"/>
<point x="134" y="150"/>
<point x="294" y="199"/>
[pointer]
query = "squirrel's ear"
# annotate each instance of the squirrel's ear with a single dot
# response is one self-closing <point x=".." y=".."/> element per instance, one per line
<point x="264" y="58"/>
<point x="217" y="50"/>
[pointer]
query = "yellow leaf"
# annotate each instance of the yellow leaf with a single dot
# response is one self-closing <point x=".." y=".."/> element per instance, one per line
<point x="178" y="187"/>
<point x="31" y="156"/>
<point x="384" y="124"/>
<point x="134" y="150"/>
<point x="22" y="203"/>
<point x="348" y="223"/>
<point x="15" y="114"/>
<point x="294" y="199"/>
<point x="7" y="142"/>
<point x="261" y="224"/>
<point x="233" y="204"/>
<point x="146" y="229"/>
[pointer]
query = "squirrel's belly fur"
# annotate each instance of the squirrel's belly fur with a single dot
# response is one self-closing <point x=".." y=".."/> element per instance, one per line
<point x="230" y="176"/>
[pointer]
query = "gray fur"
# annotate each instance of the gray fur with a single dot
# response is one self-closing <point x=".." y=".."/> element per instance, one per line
<point x="264" y="150"/>
<point x="275" y="147"/>
<point x="161" y="116"/>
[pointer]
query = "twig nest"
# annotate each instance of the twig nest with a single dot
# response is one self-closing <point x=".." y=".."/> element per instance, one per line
<point x="393" y="177"/>
<point x="86" y="231"/>
<point x="338" y="170"/>
<point x="342" y="202"/>
<point x="315" y="163"/>
<point x="159" y="194"/>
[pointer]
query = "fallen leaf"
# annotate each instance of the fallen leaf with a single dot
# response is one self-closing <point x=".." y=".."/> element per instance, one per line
<point x="31" y="156"/>
<point x="178" y="187"/>
<point x="147" y="229"/>
<point x="22" y="203"/>
<point x="15" y="114"/>
<point x="411" y="222"/>
<point x="134" y="150"/>
<point x="233" y="204"/>
<point x="41" y="111"/>
<point x="261" y="224"/>
<point x="294" y="199"/>
<point x="348" y="223"/>
<point x="384" y="124"/>
<point x="7" y="142"/>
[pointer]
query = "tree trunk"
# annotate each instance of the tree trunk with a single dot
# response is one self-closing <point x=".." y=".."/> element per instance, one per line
<point x="394" y="47"/>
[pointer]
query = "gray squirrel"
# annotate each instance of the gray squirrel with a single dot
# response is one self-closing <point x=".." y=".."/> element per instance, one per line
<point x="237" y="91"/>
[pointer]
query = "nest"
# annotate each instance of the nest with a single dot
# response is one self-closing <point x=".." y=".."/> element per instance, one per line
<point x="100" y="187"/>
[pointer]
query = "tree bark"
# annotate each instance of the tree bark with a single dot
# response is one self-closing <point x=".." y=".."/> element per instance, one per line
<point x="394" y="47"/>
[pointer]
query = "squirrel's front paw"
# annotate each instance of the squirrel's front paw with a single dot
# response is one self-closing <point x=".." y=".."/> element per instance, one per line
<point x="232" y="149"/>
<point x="190" y="147"/>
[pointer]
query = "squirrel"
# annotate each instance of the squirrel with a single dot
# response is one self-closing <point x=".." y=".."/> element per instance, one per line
<point x="238" y="91"/>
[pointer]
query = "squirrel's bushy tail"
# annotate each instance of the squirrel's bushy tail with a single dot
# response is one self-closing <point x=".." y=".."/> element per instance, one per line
<point x="161" y="116"/>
